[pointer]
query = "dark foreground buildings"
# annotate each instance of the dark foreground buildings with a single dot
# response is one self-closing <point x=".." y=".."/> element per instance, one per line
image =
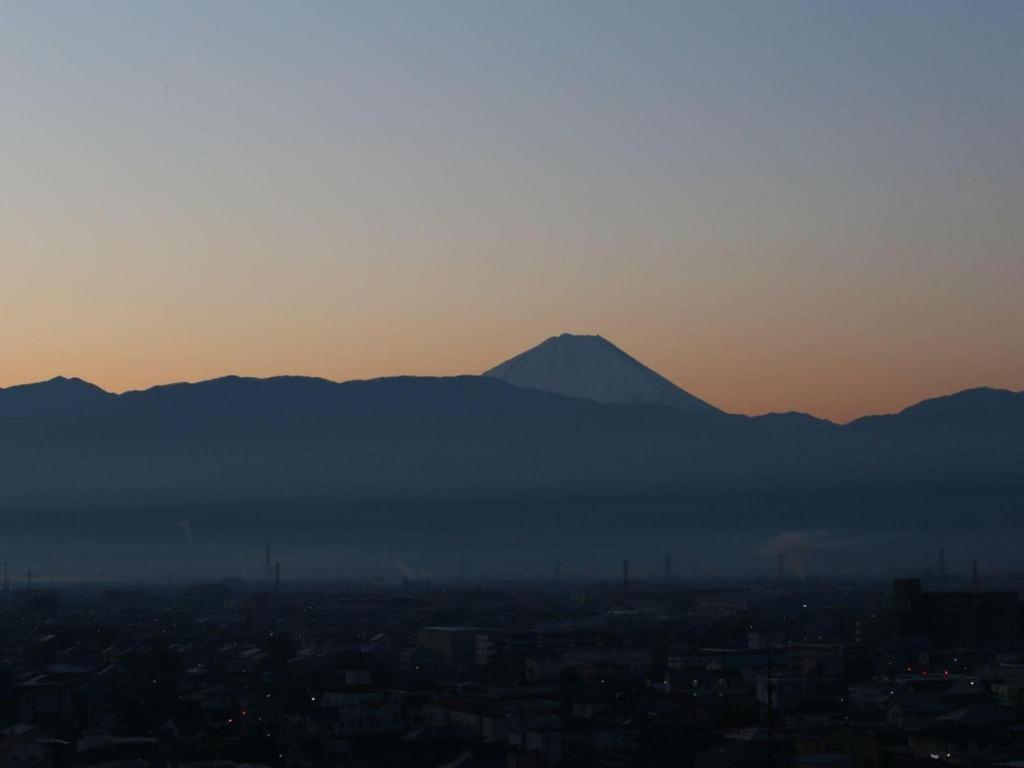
<point x="810" y="675"/>
<point x="989" y="620"/>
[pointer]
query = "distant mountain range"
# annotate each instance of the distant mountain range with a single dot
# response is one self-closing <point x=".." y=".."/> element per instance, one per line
<point x="574" y="417"/>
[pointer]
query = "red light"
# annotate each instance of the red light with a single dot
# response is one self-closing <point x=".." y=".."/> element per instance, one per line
<point x="924" y="673"/>
<point x="945" y="672"/>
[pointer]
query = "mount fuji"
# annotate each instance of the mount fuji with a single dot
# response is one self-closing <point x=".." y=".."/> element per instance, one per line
<point x="592" y="368"/>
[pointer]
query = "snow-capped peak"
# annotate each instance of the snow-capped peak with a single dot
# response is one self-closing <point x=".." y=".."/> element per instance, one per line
<point x="592" y="368"/>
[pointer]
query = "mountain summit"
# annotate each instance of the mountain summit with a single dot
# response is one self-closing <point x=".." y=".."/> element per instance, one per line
<point x="58" y="395"/>
<point x="592" y="368"/>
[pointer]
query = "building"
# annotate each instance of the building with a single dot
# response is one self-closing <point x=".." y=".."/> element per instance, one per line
<point x="457" y="646"/>
<point x="967" y="619"/>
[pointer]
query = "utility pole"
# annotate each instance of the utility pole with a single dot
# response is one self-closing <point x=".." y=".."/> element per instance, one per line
<point x="771" y="729"/>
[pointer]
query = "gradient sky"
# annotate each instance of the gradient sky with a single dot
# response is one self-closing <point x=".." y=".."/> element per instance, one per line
<point x="814" y="206"/>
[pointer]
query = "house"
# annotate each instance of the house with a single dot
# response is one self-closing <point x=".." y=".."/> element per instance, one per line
<point x="747" y="748"/>
<point x="22" y="746"/>
<point x="912" y="711"/>
<point x="483" y="717"/>
<point x="858" y="744"/>
<point x="457" y="646"/>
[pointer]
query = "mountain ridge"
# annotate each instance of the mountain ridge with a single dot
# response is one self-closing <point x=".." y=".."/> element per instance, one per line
<point x="444" y="463"/>
<point x="444" y="435"/>
<point x="37" y="393"/>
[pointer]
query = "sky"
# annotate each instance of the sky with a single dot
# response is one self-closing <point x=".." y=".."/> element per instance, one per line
<point x="779" y="206"/>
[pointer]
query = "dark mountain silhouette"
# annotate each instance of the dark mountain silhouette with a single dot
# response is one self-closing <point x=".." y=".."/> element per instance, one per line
<point x="979" y="403"/>
<point x="350" y="476"/>
<point x="47" y="398"/>
<point x="294" y="439"/>
<point x="592" y="368"/>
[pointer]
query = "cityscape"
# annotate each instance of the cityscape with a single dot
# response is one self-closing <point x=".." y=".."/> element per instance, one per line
<point x="652" y="671"/>
<point x="512" y="384"/>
